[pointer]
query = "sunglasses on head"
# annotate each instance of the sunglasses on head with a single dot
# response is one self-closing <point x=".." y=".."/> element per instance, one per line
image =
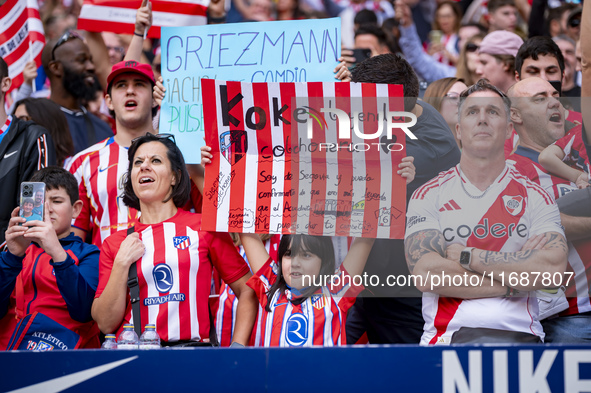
<point x="68" y="35"/>
<point x="471" y="47"/>
<point x="157" y="136"/>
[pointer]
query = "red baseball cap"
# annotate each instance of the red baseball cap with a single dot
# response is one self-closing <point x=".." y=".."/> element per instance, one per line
<point x="130" y="66"/>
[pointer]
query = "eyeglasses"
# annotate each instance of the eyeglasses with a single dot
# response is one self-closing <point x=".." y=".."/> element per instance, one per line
<point x="68" y="35"/>
<point x="472" y="47"/>
<point x="156" y="136"/>
<point x="454" y="98"/>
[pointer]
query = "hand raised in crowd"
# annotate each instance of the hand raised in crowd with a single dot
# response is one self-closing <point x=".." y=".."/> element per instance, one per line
<point x="43" y="233"/>
<point x="16" y="243"/>
<point x="402" y="13"/>
<point x="342" y="72"/>
<point x="130" y="251"/>
<point x="435" y="48"/>
<point x="206" y="156"/>
<point x="159" y="91"/>
<point x="407" y="169"/>
<point x="347" y="57"/>
<point x="30" y="72"/>
<point x="143" y="17"/>
<point x="216" y="9"/>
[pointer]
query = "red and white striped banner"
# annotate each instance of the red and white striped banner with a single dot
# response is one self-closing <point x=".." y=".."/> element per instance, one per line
<point x="119" y="16"/>
<point x="21" y="37"/>
<point x="269" y="175"/>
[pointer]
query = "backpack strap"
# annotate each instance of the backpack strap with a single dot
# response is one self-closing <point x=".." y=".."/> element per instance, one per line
<point x="134" y="292"/>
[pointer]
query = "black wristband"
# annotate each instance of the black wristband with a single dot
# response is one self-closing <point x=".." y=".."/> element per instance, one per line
<point x="139" y="35"/>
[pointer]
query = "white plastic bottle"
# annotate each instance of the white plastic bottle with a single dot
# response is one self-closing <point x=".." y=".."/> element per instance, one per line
<point x="128" y="338"/>
<point x="150" y="338"/>
<point x="110" y="342"/>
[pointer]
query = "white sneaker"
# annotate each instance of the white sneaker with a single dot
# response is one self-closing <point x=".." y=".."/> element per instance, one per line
<point x="551" y="301"/>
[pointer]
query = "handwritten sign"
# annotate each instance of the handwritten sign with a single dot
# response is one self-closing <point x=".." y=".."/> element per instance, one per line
<point x="314" y="158"/>
<point x="287" y="51"/>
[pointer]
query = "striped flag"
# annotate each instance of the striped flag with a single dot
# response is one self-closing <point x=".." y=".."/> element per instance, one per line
<point x="118" y="16"/>
<point x="270" y="176"/>
<point x="21" y="37"/>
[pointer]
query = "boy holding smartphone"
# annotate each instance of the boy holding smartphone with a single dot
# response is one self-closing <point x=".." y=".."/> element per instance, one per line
<point x="54" y="272"/>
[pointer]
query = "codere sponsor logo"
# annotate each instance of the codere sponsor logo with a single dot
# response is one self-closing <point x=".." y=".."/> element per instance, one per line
<point x="481" y="231"/>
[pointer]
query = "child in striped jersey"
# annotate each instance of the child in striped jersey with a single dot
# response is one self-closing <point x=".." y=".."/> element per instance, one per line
<point x="303" y="299"/>
<point x="567" y="158"/>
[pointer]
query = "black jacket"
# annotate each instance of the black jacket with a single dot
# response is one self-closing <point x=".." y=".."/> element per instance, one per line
<point x="26" y="148"/>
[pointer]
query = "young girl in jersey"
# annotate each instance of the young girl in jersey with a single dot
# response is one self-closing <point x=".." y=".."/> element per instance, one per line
<point x="297" y="308"/>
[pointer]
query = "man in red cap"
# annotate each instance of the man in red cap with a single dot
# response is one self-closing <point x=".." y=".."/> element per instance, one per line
<point x="99" y="168"/>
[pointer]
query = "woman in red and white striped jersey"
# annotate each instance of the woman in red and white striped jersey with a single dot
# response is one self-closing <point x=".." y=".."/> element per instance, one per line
<point x="174" y="258"/>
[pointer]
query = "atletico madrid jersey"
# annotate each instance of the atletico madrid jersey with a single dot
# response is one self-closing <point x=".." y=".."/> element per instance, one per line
<point x="319" y="320"/>
<point x="575" y="154"/>
<point x="175" y="274"/>
<point x="502" y="218"/>
<point x="579" y="252"/>
<point x="100" y="171"/>
<point x="228" y="302"/>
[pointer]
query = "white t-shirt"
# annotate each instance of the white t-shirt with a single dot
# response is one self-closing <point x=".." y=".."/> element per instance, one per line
<point x="512" y="210"/>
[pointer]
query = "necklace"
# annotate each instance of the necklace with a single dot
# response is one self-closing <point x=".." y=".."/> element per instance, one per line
<point x="474" y="196"/>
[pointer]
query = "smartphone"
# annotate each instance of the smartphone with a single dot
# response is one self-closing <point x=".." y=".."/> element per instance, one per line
<point x="435" y="36"/>
<point x="361" y="54"/>
<point x="32" y="201"/>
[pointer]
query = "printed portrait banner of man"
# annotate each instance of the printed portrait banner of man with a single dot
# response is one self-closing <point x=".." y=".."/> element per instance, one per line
<point x="118" y="16"/>
<point x="305" y="158"/>
<point x="285" y="51"/>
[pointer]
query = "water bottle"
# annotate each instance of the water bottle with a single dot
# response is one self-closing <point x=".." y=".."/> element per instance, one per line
<point x="110" y="342"/>
<point x="150" y="339"/>
<point x="128" y="338"/>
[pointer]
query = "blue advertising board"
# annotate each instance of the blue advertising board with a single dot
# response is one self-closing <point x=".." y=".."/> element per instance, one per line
<point x="402" y="368"/>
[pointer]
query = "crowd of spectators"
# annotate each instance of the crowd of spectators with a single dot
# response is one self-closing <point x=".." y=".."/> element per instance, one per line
<point x="527" y="58"/>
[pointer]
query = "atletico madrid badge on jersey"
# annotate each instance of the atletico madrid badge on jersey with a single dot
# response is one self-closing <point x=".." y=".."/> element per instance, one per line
<point x="513" y="204"/>
<point x="181" y="242"/>
<point x="318" y="301"/>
